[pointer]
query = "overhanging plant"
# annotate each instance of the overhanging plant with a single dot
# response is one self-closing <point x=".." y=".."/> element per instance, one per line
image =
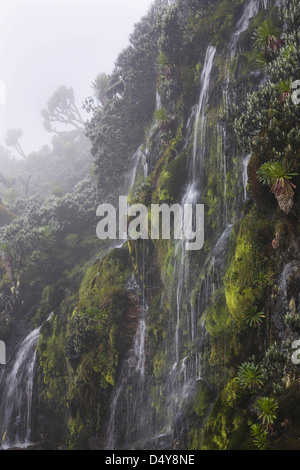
<point x="277" y="174"/>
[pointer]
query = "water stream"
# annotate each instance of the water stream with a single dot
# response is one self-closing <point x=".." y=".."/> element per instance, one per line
<point x="131" y="415"/>
<point x="128" y="408"/>
<point x="16" y="391"/>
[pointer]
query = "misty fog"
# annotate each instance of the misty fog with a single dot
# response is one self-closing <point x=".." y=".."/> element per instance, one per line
<point x="48" y="43"/>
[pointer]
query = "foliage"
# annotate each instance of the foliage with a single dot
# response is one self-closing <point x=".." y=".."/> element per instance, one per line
<point x="12" y="140"/>
<point x="35" y="251"/>
<point x="162" y="117"/>
<point x="117" y="128"/>
<point x="267" y="36"/>
<point x="250" y="376"/>
<point x="259" y="435"/>
<point x="241" y="288"/>
<point x="61" y="109"/>
<point x="276" y="174"/>
<point x="252" y="316"/>
<point x="93" y="340"/>
<point x="268" y="411"/>
<point x="226" y="427"/>
<point x="292" y="321"/>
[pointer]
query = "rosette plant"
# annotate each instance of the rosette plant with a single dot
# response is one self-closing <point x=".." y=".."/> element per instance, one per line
<point x="277" y="174"/>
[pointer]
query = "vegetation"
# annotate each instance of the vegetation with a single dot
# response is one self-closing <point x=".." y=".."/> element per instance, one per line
<point x="61" y="109"/>
<point x="216" y="353"/>
<point x="250" y="375"/>
<point x="252" y="317"/>
<point x="267" y="409"/>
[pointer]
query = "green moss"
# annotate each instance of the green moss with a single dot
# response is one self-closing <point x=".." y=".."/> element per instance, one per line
<point x="158" y="365"/>
<point x="52" y="366"/>
<point x="93" y="342"/>
<point x="51" y="297"/>
<point x="217" y="317"/>
<point x="251" y="256"/>
<point x="226" y="427"/>
<point x="202" y="400"/>
<point x="217" y="21"/>
<point x="172" y="178"/>
<point x="77" y="434"/>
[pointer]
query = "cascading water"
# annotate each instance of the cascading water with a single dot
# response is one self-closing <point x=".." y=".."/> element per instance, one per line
<point x="16" y="395"/>
<point x="251" y="9"/>
<point x="129" y="406"/>
<point x="130" y="416"/>
<point x="200" y="127"/>
<point x="245" y="174"/>
<point x="186" y="369"/>
<point x="16" y="391"/>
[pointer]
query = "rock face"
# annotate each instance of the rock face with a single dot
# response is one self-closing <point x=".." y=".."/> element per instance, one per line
<point x="144" y="351"/>
<point x="131" y="318"/>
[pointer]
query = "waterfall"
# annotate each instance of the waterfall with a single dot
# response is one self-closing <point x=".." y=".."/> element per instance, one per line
<point x="245" y="175"/>
<point x="16" y="391"/>
<point x="185" y="369"/>
<point x="131" y="421"/>
<point x="200" y="128"/>
<point x="16" y="395"/>
<point x="251" y="9"/>
<point x="129" y="406"/>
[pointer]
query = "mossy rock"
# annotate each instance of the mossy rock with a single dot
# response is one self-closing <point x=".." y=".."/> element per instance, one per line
<point x="172" y="179"/>
<point x="203" y="399"/>
<point x="252" y="255"/>
<point x="217" y="316"/>
<point x="226" y="427"/>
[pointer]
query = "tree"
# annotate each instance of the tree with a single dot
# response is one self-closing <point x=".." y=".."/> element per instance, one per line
<point x="117" y="128"/>
<point x="12" y="140"/>
<point x="62" y="110"/>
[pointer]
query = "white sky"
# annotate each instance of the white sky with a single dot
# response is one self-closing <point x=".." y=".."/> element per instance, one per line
<point x="47" y="43"/>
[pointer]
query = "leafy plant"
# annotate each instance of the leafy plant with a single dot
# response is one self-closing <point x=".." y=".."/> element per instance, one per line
<point x="250" y="375"/>
<point x="268" y="409"/>
<point x="259" y="435"/>
<point x="252" y="317"/>
<point x="261" y="279"/>
<point x="48" y="237"/>
<point x="267" y="36"/>
<point x="261" y="59"/>
<point x="292" y="321"/>
<point x="277" y="174"/>
<point x="284" y="89"/>
<point x="162" y="117"/>
<point x="162" y="60"/>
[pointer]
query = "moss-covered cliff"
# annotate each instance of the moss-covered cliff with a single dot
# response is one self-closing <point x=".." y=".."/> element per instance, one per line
<point x="198" y="355"/>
